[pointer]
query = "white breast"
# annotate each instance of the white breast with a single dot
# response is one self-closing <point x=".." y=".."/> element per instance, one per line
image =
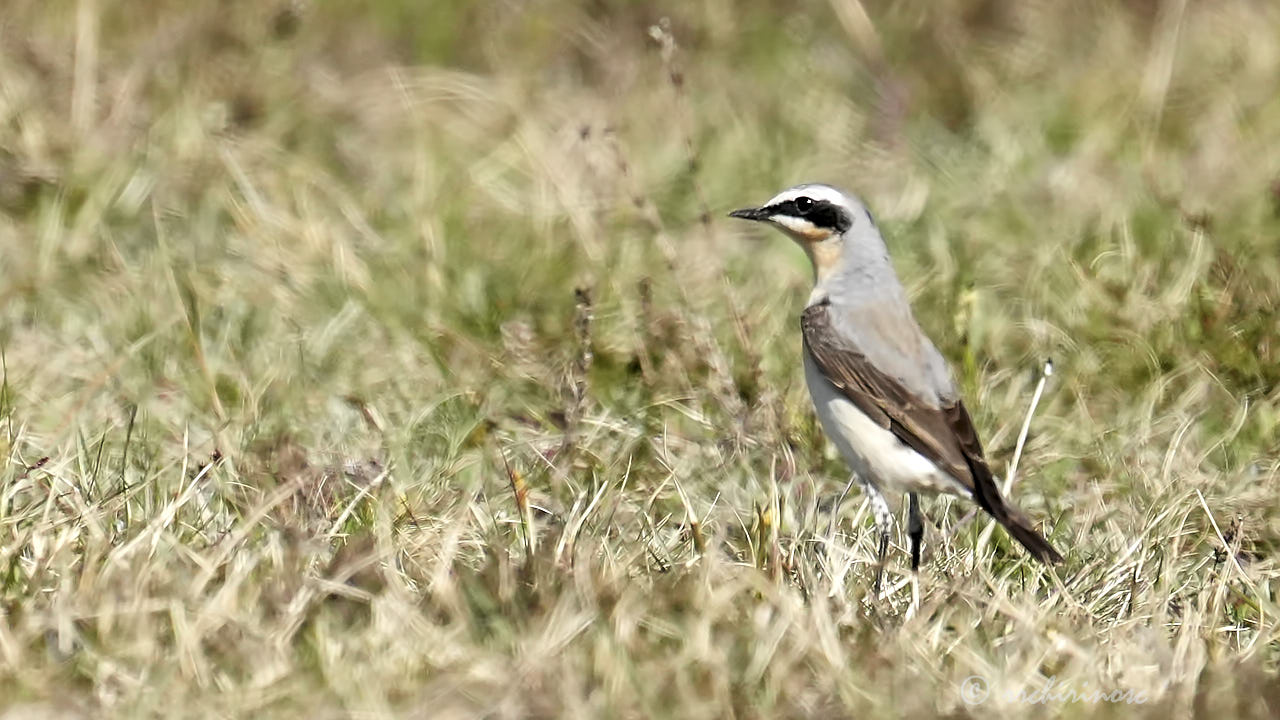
<point x="871" y="450"/>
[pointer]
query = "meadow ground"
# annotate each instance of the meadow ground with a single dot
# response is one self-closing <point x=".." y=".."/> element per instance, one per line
<point x="384" y="359"/>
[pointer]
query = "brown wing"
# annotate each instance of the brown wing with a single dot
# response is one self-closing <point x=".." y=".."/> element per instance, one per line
<point x="942" y="432"/>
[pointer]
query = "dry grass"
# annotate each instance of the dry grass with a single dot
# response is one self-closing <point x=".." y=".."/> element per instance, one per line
<point x="368" y="360"/>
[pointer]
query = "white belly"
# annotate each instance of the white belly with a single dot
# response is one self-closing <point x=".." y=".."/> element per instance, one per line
<point x="872" y="451"/>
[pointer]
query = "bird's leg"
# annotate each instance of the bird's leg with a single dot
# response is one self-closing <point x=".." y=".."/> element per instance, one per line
<point x="915" y="529"/>
<point x="880" y="555"/>
<point x="884" y="523"/>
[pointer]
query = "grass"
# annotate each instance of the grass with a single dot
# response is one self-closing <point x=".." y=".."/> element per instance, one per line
<point x="367" y="360"/>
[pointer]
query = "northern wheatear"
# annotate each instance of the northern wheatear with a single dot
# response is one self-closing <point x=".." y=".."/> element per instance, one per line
<point x="883" y="392"/>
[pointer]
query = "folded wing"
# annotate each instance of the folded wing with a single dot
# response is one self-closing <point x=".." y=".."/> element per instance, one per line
<point x="934" y="424"/>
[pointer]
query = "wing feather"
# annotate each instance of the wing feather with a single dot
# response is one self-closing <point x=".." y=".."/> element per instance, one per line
<point x="939" y="427"/>
<point x="942" y="433"/>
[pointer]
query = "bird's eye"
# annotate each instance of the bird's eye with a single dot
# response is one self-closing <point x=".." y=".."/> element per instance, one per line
<point x="804" y="204"/>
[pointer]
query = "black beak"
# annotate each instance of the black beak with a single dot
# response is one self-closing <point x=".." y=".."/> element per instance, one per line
<point x="757" y="214"/>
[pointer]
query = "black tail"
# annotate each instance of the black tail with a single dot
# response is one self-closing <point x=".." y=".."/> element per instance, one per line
<point x="1020" y="528"/>
<point x="988" y="497"/>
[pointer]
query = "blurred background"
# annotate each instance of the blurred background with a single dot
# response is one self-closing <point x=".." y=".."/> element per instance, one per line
<point x="280" y="277"/>
<point x="1087" y="175"/>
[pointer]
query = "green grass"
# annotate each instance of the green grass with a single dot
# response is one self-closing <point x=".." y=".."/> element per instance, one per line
<point x="304" y="414"/>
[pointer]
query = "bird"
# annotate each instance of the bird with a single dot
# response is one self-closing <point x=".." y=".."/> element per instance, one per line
<point x="882" y="391"/>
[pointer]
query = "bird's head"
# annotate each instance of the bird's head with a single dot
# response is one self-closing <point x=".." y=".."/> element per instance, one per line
<point x="818" y="217"/>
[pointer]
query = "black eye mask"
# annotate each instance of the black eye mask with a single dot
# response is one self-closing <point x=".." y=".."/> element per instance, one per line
<point x="821" y="213"/>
